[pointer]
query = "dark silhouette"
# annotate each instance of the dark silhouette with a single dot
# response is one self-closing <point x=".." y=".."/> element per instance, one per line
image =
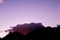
<point x="0" y="39"/>
<point x="33" y="31"/>
<point x="14" y="36"/>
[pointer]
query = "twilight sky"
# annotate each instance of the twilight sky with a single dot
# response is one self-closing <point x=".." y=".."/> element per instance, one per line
<point x="14" y="12"/>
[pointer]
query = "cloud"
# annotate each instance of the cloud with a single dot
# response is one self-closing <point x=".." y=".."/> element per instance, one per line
<point x="1" y="1"/>
<point x="3" y="33"/>
<point x="25" y="28"/>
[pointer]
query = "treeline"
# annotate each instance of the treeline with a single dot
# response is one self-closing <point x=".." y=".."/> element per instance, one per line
<point x="40" y="33"/>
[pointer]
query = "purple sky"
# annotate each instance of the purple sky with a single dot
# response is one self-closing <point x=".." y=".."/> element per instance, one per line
<point x="14" y="12"/>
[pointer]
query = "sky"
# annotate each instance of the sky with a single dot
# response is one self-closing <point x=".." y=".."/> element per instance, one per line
<point x="13" y="12"/>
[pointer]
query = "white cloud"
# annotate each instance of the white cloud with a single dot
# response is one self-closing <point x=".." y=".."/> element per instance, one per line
<point x="3" y="33"/>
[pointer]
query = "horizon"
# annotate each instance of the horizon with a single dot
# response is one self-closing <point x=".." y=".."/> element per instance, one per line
<point x="13" y="12"/>
<point x="26" y="28"/>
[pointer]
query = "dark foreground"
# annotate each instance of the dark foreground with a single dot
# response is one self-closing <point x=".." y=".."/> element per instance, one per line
<point x="39" y="34"/>
<point x="43" y="33"/>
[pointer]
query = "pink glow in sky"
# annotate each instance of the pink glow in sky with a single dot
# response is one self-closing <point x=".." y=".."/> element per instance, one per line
<point x="1" y="1"/>
<point x="13" y="12"/>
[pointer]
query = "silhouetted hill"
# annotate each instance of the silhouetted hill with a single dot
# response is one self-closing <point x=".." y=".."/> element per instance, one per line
<point x="38" y="32"/>
<point x="45" y="34"/>
<point x="14" y="36"/>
